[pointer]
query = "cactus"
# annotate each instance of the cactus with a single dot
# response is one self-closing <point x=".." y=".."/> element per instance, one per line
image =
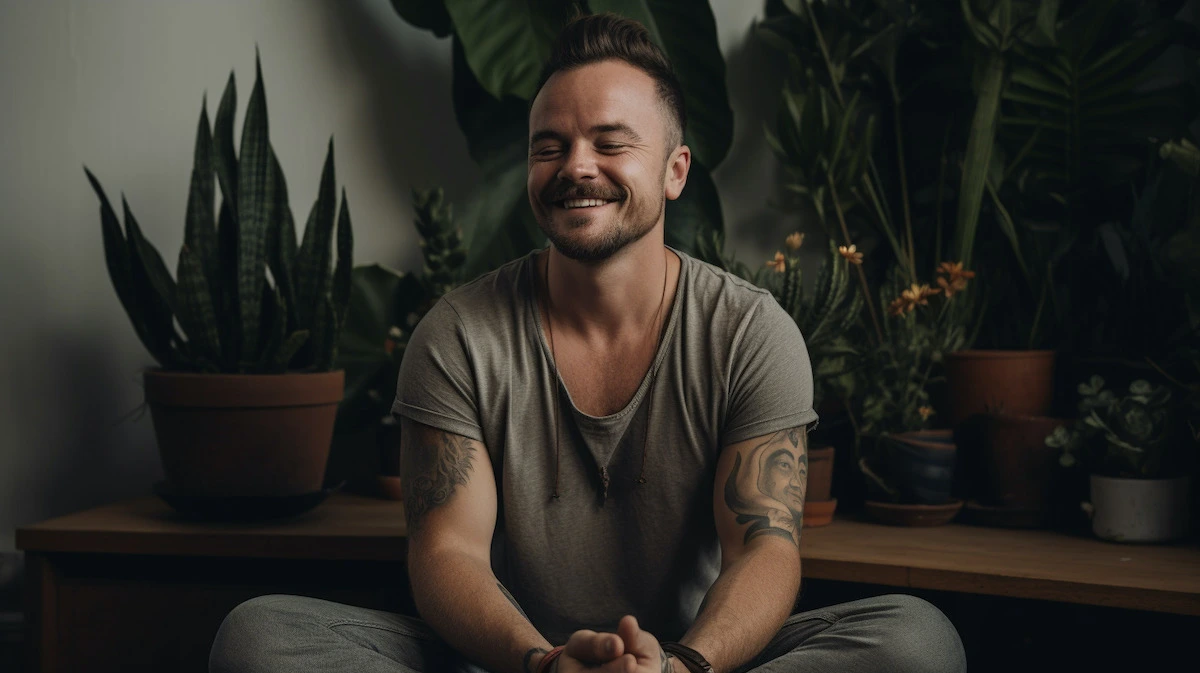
<point x="246" y="297"/>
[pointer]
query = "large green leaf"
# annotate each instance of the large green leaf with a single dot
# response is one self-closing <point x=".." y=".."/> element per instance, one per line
<point x="687" y="32"/>
<point x="500" y="226"/>
<point x="428" y="14"/>
<point x="507" y="41"/>
<point x="1088" y="97"/>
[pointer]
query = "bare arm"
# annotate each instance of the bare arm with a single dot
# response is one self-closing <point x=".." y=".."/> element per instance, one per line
<point x="758" y="502"/>
<point x="450" y="507"/>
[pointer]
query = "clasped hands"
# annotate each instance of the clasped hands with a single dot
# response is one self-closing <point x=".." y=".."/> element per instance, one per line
<point x="629" y="650"/>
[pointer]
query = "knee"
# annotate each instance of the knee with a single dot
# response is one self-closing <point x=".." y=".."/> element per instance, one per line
<point x="919" y="637"/>
<point x="249" y="633"/>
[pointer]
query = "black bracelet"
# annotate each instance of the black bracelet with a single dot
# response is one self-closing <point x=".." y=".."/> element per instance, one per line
<point x="692" y="660"/>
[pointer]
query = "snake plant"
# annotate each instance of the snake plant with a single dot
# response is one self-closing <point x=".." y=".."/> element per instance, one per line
<point x="245" y="297"/>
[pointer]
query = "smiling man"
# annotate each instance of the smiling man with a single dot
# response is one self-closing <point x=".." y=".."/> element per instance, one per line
<point x="604" y="442"/>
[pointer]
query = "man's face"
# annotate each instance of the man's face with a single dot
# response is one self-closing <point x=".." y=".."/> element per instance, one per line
<point x="600" y="167"/>
<point x="783" y="479"/>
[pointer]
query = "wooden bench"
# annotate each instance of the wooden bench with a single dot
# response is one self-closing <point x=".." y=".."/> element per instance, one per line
<point x="131" y="586"/>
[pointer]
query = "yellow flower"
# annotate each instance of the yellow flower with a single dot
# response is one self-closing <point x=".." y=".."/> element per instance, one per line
<point x="795" y="240"/>
<point x="779" y="263"/>
<point x="851" y="253"/>
<point x="956" y="277"/>
<point x="912" y="297"/>
<point x="918" y="294"/>
<point x="925" y="412"/>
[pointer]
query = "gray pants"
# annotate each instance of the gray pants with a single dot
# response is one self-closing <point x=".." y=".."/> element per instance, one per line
<point x="894" y="633"/>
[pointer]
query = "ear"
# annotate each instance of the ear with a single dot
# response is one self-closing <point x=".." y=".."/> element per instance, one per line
<point x="677" y="169"/>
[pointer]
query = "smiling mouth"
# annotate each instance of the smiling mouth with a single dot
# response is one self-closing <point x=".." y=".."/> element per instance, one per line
<point x="571" y="204"/>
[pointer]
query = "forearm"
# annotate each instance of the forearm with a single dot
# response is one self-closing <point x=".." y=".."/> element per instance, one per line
<point x="459" y="597"/>
<point x="747" y="605"/>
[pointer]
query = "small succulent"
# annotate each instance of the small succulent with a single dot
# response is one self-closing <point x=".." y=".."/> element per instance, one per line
<point x="245" y="298"/>
<point x="1125" y="436"/>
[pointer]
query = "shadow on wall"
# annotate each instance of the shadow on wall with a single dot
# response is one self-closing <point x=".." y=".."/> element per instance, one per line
<point x="758" y="214"/>
<point x="405" y="104"/>
<point x="84" y="431"/>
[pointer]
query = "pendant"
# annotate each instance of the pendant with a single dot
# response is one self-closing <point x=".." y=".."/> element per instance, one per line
<point x="604" y="481"/>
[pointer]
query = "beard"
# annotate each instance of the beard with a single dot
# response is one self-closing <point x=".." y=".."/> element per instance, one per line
<point x="622" y="232"/>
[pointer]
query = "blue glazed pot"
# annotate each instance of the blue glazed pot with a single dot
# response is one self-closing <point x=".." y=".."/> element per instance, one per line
<point x="921" y="465"/>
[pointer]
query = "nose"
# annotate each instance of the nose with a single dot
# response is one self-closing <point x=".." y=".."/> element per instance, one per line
<point x="579" y="164"/>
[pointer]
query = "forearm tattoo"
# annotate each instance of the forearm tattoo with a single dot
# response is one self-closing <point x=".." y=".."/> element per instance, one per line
<point x="767" y="484"/>
<point x="433" y="465"/>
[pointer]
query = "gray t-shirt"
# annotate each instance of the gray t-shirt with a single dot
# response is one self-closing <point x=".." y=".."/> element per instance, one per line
<point x="732" y="366"/>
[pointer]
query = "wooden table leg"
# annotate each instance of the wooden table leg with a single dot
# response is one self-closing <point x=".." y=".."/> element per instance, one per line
<point x="41" y="614"/>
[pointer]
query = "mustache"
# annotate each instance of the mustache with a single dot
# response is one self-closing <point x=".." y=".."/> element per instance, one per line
<point x="562" y="191"/>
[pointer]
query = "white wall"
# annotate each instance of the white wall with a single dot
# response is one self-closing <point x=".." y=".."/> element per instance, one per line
<point x="117" y="85"/>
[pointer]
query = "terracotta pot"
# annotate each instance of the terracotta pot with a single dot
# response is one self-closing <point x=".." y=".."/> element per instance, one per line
<point x="244" y="435"/>
<point x="1017" y="382"/>
<point x="820" y="474"/>
<point x="1017" y="466"/>
<point x="387" y="482"/>
<point x="819" y="512"/>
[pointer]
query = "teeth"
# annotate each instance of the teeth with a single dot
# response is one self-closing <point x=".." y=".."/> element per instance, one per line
<point x="583" y="203"/>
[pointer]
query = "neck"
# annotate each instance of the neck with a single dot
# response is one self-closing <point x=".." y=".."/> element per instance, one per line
<point x="621" y="294"/>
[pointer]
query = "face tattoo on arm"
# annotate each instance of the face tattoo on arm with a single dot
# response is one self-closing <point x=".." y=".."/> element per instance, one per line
<point x="766" y="486"/>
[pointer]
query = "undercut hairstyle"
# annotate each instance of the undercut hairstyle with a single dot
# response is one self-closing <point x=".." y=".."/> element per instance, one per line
<point x="592" y="38"/>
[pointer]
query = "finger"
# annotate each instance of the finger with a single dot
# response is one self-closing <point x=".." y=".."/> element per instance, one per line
<point x="594" y="648"/>
<point x="626" y="663"/>
<point x="629" y="631"/>
<point x="637" y="641"/>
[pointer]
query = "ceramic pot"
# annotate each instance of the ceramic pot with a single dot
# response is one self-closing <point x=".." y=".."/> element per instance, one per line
<point x="913" y="468"/>
<point x="1019" y="382"/>
<point x="913" y="515"/>
<point x="922" y="465"/>
<point x="223" y="435"/>
<point x="1017" y="466"/>
<point x="1140" y="510"/>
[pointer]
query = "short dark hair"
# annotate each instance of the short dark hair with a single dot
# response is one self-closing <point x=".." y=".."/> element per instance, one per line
<point x="591" y="38"/>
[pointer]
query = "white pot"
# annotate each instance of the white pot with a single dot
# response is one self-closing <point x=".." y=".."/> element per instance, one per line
<point x="1140" y="510"/>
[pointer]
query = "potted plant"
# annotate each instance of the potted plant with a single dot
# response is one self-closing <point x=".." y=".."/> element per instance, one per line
<point x="1137" y="460"/>
<point x="385" y="307"/>
<point x="826" y="316"/>
<point x="245" y="395"/>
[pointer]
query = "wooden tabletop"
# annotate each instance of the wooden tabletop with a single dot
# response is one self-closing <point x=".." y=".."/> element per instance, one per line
<point x="1037" y="564"/>
<point x="1040" y="564"/>
<point x="344" y="527"/>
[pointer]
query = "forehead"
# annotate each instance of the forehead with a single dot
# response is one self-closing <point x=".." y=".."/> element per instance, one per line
<point x="607" y="92"/>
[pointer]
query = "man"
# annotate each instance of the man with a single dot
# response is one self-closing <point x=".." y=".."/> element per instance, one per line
<point x="604" y="442"/>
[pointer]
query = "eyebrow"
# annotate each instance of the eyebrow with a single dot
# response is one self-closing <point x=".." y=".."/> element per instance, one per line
<point x="623" y="129"/>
